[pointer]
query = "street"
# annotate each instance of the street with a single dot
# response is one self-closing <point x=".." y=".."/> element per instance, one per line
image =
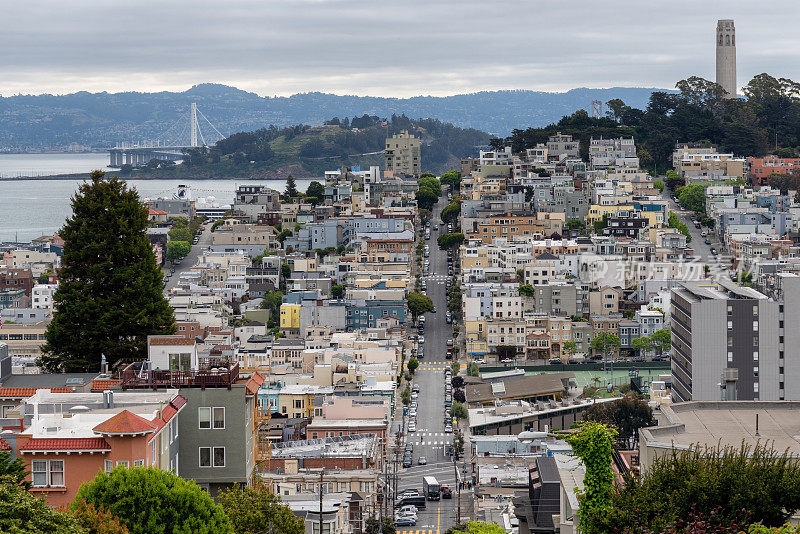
<point x="190" y="260"/>
<point x="702" y="252"/>
<point x="430" y="439"/>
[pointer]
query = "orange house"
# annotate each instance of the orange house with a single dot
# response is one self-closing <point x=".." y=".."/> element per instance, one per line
<point x="59" y="465"/>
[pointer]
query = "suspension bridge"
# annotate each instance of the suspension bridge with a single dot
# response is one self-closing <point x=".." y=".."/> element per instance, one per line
<point x="168" y="146"/>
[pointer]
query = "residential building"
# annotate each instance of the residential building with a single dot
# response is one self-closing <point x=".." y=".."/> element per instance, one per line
<point x="729" y="342"/>
<point x="402" y="155"/>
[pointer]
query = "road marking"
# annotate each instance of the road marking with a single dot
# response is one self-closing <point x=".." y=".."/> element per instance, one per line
<point x="438" y="518"/>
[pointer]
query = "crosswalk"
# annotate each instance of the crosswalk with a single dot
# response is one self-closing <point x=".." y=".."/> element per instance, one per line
<point x="423" y="531"/>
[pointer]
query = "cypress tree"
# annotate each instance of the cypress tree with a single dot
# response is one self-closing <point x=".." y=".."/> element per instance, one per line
<point x="109" y="296"/>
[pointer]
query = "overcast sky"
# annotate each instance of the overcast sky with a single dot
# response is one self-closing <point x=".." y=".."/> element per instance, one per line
<point x="383" y="48"/>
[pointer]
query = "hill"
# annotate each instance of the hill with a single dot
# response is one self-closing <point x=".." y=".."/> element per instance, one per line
<point x="308" y="151"/>
<point x="36" y="122"/>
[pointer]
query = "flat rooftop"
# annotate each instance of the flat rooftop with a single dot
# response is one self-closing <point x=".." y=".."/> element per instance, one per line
<point x="355" y="445"/>
<point x="728" y="423"/>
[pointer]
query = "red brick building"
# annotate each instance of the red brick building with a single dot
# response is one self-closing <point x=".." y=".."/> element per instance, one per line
<point x="762" y="168"/>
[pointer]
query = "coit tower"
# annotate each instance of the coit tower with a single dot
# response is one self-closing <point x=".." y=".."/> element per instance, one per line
<point x="726" y="57"/>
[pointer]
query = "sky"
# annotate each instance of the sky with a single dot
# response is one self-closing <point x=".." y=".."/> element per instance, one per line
<point x="396" y="48"/>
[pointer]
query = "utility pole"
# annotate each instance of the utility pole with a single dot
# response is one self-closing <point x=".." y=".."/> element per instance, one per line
<point x="458" y="487"/>
<point x="321" y="473"/>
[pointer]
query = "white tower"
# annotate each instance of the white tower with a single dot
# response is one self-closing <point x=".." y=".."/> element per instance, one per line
<point x="726" y="57"/>
<point x="193" y="118"/>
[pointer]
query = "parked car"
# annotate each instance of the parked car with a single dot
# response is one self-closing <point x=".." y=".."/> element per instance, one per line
<point x="507" y="360"/>
<point x="449" y="429"/>
<point x="480" y="361"/>
<point x="713" y="251"/>
<point x="422" y="460"/>
<point x="407" y="462"/>
<point x="412" y="426"/>
<point x="408" y="507"/>
<point x="707" y="241"/>
<point x="415" y="388"/>
<point x="450" y="342"/>
<point x="404" y="522"/>
<point x="421" y="340"/>
<point x="555" y="361"/>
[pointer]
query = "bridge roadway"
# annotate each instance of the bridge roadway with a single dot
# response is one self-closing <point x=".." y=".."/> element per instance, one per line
<point x="140" y="155"/>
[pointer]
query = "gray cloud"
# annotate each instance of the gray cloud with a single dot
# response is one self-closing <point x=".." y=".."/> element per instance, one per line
<point x="382" y="48"/>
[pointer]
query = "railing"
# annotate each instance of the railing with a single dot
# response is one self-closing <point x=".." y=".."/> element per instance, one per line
<point x="139" y="379"/>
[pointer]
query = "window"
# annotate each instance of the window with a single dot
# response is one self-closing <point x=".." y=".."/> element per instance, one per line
<point x="57" y="473"/>
<point x="47" y="473"/>
<point x="138" y="463"/>
<point x="204" y="417"/>
<point x="730" y="356"/>
<point x="123" y="463"/>
<point x="109" y="465"/>
<point x="205" y="456"/>
<point x="219" y="456"/>
<point x="39" y="473"/>
<point x="755" y="356"/>
<point x="219" y="418"/>
<point x="154" y="451"/>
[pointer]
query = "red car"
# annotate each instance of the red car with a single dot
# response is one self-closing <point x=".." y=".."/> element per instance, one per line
<point x="447" y="493"/>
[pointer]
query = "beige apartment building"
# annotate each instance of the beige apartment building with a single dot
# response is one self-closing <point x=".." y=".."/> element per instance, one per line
<point x="402" y="154"/>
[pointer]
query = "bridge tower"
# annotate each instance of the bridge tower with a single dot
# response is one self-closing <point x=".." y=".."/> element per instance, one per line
<point x="193" y="124"/>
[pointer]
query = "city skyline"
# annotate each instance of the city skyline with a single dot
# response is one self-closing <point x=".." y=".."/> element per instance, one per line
<point x="351" y="47"/>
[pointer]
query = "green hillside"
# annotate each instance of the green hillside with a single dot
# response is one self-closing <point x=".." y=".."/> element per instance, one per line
<point x="307" y="151"/>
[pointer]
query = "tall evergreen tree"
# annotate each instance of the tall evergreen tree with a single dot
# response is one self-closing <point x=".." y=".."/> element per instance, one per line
<point x="109" y="298"/>
<point x="291" y="187"/>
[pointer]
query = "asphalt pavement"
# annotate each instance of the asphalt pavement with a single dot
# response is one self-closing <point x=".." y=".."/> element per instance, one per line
<point x="190" y="260"/>
<point x="430" y="439"/>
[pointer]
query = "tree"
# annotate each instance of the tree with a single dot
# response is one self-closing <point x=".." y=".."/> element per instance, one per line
<point x="458" y="410"/>
<point x="457" y="382"/>
<point x="255" y="510"/>
<point x="693" y="197"/>
<point x="451" y="178"/>
<point x="575" y="225"/>
<point x="418" y="304"/>
<point x="479" y="527"/>
<point x="283" y="235"/>
<point x="150" y="500"/>
<point x="446" y="241"/>
<point x="426" y="199"/>
<point x="627" y="415"/>
<point x="22" y="513"/>
<point x="374" y="526"/>
<point x="661" y="340"/>
<point x="658" y="184"/>
<point x="616" y="107"/>
<point x="600" y="225"/>
<point x="605" y="343"/>
<point x="526" y="290"/>
<point x="641" y="344"/>
<point x="13" y="469"/>
<point x="451" y="212"/>
<point x="728" y="480"/>
<point x="592" y="443"/>
<point x="674" y="222"/>
<point x="291" y="187"/>
<point x="412" y="365"/>
<point x="570" y="348"/>
<point x="109" y="298"/>
<point x="405" y="396"/>
<point x="674" y="180"/>
<point x="473" y="369"/>
<point x="286" y="271"/>
<point x="180" y="234"/>
<point x="315" y="189"/>
<point x="96" y="520"/>
<point x="177" y="250"/>
<point x="459" y="395"/>
<point x="337" y="291"/>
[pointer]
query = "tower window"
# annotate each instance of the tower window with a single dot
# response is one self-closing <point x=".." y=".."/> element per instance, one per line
<point x="727" y="40"/>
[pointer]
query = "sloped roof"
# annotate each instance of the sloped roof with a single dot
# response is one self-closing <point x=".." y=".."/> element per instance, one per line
<point x="518" y="387"/>
<point x="18" y="393"/>
<point x="103" y="384"/>
<point x="126" y="423"/>
<point x="4" y="446"/>
<point x="168" y="340"/>
<point x="66" y="444"/>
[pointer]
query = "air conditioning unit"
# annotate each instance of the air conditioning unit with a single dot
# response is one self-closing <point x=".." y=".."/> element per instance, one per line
<point x="730" y="374"/>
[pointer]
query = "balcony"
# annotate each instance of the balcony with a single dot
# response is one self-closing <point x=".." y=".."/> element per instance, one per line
<point x="133" y="378"/>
